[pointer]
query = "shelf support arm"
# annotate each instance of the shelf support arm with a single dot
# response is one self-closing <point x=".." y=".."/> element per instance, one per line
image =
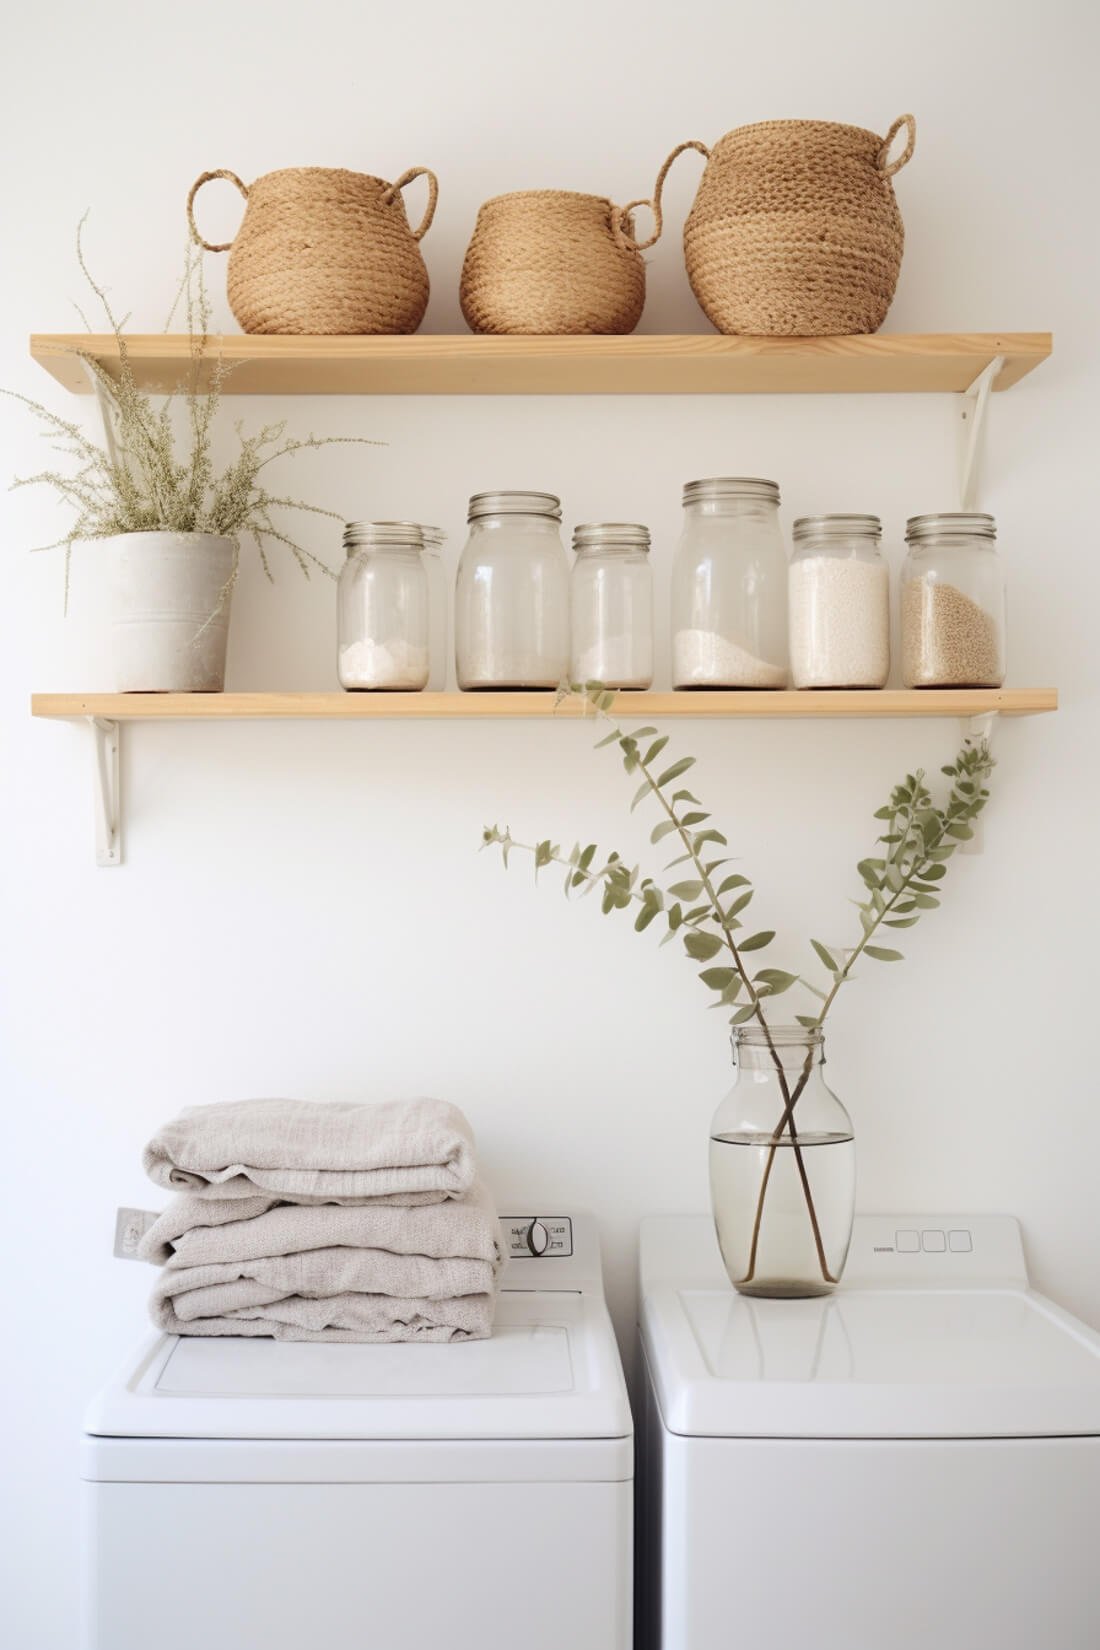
<point x="973" y="406"/>
<point x="106" y="793"/>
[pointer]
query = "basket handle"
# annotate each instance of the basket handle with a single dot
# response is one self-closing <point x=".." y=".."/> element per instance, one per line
<point x="907" y="153"/>
<point x="621" y="226"/>
<point x="433" y="195"/>
<point x="195" y="187"/>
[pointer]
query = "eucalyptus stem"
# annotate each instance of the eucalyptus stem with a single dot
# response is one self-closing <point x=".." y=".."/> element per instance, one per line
<point x="901" y="886"/>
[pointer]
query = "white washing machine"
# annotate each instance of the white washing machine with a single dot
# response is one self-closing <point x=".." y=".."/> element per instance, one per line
<point x="912" y="1463"/>
<point x="260" y="1495"/>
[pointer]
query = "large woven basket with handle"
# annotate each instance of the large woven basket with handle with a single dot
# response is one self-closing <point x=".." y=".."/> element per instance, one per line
<point x="795" y="230"/>
<point x="324" y="251"/>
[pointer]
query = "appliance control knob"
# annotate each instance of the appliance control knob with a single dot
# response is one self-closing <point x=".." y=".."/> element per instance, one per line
<point x="537" y="1237"/>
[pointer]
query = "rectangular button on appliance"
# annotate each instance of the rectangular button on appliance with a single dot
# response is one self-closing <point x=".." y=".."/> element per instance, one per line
<point x="959" y="1243"/>
<point x="933" y="1243"/>
<point x="907" y="1242"/>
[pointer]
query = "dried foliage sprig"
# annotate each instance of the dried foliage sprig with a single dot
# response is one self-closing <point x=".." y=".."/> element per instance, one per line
<point x="149" y="480"/>
<point x="705" y="910"/>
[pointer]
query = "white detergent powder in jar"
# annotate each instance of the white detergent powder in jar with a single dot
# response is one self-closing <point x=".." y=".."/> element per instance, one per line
<point x="839" y="603"/>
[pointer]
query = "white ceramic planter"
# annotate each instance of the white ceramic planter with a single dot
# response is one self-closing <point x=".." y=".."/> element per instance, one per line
<point x="168" y="610"/>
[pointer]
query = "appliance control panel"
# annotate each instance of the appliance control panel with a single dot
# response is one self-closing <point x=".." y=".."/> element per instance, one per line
<point x="537" y="1237"/>
<point x="935" y="1250"/>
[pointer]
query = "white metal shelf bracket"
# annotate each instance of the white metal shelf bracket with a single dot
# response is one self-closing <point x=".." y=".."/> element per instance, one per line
<point x="973" y="406"/>
<point x="107" y="792"/>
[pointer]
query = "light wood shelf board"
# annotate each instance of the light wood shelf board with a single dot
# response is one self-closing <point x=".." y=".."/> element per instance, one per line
<point x="467" y="364"/>
<point x="339" y="706"/>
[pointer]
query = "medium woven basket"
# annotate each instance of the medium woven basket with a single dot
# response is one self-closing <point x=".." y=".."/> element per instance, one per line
<point x="795" y="231"/>
<point x="553" y="262"/>
<point x="324" y="251"/>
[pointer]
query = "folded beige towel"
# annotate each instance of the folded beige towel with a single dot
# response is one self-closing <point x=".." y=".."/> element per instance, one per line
<point x="196" y="1231"/>
<point x="331" y="1294"/>
<point x="301" y="1151"/>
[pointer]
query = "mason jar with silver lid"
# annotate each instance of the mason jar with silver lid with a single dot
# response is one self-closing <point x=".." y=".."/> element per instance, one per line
<point x="512" y="594"/>
<point x="382" y="608"/>
<point x="952" y="602"/>
<point x="839" y="592"/>
<point x="612" y="605"/>
<point x="729" y="587"/>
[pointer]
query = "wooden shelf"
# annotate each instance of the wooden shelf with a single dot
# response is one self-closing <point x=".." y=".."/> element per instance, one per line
<point x="690" y="364"/>
<point x="926" y="702"/>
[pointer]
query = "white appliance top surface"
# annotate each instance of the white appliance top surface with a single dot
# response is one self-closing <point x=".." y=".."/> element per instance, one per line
<point x="550" y="1370"/>
<point x="943" y="1340"/>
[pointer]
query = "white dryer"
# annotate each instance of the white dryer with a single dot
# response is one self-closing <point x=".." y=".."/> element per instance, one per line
<point x="912" y="1463"/>
<point x="260" y="1495"/>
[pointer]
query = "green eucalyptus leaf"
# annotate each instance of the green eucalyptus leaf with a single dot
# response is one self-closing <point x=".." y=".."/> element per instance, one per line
<point x="701" y="946"/>
<point x="655" y="749"/>
<point x="757" y="942"/>
<point x="718" y="978"/>
<point x="661" y="830"/>
<point x="695" y="818"/>
<point x="733" y="882"/>
<point x="735" y="907"/>
<point x="881" y="954"/>
<point x="742" y="1015"/>
<point x="641" y="793"/>
<point x="675" y="771"/>
<point x="686" y="890"/>
<point x="826" y="956"/>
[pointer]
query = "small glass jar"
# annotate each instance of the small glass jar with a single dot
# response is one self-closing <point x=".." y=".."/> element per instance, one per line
<point x="512" y="594"/>
<point x="782" y="1167"/>
<point x="382" y="608"/>
<point x="952" y="603"/>
<point x="438" y="605"/>
<point x="612" y="606"/>
<point x="839" y="595"/>
<point x="729" y="587"/>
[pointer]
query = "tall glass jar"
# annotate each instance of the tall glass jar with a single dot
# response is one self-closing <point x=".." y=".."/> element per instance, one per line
<point x="839" y="592"/>
<point x="952" y="603"/>
<point x="512" y="594"/>
<point x="729" y="587"/>
<point x="782" y="1167"/>
<point x="438" y="606"/>
<point x="612" y="606"/>
<point x="382" y="608"/>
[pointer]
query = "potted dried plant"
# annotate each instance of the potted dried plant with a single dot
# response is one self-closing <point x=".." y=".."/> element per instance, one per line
<point x="781" y="1148"/>
<point x="164" y="520"/>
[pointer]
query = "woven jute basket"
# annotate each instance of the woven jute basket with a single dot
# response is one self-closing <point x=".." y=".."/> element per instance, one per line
<point x="795" y="231"/>
<point x="324" y="251"/>
<point x="553" y="262"/>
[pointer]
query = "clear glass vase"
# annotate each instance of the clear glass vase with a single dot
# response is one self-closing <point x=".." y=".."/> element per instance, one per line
<point x="782" y="1167"/>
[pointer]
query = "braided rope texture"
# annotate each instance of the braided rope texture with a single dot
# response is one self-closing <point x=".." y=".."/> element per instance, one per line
<point x="548" y="261"/>
<point x="326" y="252"/>
<point x="795" y="231"/>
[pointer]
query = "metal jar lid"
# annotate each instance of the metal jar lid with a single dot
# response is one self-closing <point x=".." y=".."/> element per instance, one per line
<point x="954" y="523"/>
<point x="382" y="535"/>
<point x="603" y="535"/>
<point x="836" y="527"/>
<point x="434" y="537"/>
<point x="731" y="487"/>
<point x="514" y="504"/>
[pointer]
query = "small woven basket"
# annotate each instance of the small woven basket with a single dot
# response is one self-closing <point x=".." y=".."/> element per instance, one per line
<point x="552" y="262"/>
<point x="795" y="231"/>
<point x="326" y="252"/>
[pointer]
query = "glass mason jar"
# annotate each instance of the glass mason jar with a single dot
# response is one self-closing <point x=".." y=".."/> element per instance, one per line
<point x="438" y="605"/>
<point x="729" y="587"/>
<point x="512" y="594"/>
<point x="839" y="594"/>
<point x="382" y="608"/>
<point x="612" y="606"/>
<point x="952" y="603"/>
<point x="782" y="1167"/>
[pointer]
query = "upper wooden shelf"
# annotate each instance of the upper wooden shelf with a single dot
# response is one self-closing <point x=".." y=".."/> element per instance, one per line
<point x="467" y="364"/>
<point x="927" y="702"/>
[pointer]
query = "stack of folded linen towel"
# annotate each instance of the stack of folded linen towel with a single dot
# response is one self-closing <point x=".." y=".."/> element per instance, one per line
<point x="308" y="1221"/>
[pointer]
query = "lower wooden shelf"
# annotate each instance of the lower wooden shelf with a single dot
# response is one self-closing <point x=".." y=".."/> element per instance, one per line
<point x="706" y="703"/>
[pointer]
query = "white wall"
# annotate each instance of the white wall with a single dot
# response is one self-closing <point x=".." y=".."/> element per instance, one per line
<point x="303" y="909"/>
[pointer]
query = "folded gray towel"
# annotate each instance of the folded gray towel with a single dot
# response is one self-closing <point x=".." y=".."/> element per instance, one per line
<point x="197" y="1231"/>
<point x="301" y="1151"/>
<point x="343" y="1318"/>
